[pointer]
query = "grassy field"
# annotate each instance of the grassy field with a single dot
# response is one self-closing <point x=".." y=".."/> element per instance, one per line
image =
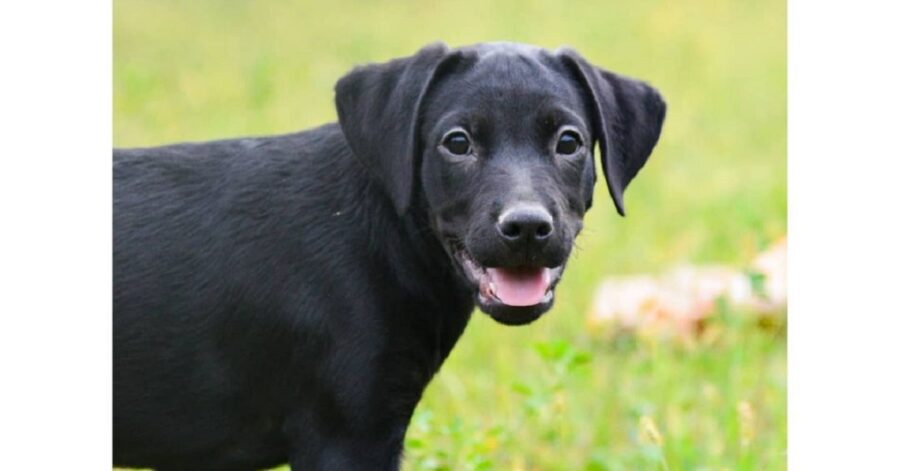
<point x="554" y="395"/>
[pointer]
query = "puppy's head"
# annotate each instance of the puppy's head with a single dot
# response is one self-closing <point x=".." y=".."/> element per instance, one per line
<point x="495" y="142"/>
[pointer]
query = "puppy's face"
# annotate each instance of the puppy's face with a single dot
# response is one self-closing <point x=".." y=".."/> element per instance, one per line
<point x="496" y="142"/>
<point x="507" y="172"/>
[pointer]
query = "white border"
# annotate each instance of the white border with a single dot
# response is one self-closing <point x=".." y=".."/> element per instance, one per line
<point x="55" y="251"/>
<point x="844" y="233"/>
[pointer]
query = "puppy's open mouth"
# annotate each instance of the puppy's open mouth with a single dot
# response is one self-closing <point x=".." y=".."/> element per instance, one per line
<point x="512" y="295"/>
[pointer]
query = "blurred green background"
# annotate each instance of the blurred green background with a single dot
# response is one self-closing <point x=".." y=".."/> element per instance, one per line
<point x="554" y="395"/>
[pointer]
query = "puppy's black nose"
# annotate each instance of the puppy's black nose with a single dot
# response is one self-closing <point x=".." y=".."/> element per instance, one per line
<point x="529" y="224"/>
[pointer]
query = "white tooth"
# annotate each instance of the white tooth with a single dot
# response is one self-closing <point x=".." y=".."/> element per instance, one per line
<point x="492" y="287"/>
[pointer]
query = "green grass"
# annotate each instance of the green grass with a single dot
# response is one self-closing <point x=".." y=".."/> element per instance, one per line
<point x="553" y="395"/>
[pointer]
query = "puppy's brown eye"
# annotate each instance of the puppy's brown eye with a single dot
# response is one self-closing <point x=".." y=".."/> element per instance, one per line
<point x="568" y="143"/>
<point x="457" y="143"/>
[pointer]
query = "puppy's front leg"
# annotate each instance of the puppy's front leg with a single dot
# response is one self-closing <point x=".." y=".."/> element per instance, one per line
<point x="348" y="453"/>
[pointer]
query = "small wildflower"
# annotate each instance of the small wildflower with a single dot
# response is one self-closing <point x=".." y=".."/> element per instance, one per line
<point x="559" y="402"/>
<point x="491" y="443"/>
<point x="709" y="392"/>
<point x="747" y="421"/>
<point x="649" y="431"/>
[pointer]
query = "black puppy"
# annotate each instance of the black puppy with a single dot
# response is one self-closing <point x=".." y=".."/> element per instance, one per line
<point x="289" y="298"/>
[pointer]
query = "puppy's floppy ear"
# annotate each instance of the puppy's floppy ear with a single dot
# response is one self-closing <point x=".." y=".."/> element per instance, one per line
<point x="378" y="109"/>
<point x="627" y="119"/>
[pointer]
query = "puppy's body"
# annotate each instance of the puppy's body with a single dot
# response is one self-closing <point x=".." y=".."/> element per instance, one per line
<point x="262" y="264"/>
<point x="288" y="298"/>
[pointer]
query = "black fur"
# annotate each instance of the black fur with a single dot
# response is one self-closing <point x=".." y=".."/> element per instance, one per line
<point x="287" y="299"/>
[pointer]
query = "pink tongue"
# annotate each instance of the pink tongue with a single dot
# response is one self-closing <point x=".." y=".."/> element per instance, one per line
<point x="520" y="287"/>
